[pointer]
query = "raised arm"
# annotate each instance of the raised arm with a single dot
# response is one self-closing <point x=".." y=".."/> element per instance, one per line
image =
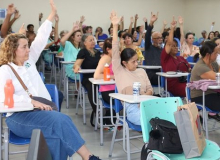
<point x="135" y="21"/>
<point x="212" y="26"/>
<point x="116" y="59"/>
<point x="182" y="39"/>
<point x="122" y="24"/>
<point x="131" y="24"/>
<point x="82" y="19"/>
<point x="44" y="31"/>
<point x="56" y="34"/>
<point x="6" y="24"/>
<point x="66" y="37"/>
<point x="40" y="19"/>
<point x="164" y="26"/>
<point x="145" y="23"/>
<point x="170" y="38"/>
<point x="153" y="19"/>
<point x="138" y="43"/>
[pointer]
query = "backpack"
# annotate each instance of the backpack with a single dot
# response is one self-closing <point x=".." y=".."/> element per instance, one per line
<point x="164" y="137"/>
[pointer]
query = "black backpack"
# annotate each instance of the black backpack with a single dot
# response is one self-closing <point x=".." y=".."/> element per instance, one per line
<point x="164" y="137"/>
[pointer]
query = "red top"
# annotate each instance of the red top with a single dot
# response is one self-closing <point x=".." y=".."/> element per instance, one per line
<point x="170" y="63"/>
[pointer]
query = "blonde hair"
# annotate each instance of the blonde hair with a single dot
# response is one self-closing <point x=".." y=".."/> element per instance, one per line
<point x="8" y="48"/>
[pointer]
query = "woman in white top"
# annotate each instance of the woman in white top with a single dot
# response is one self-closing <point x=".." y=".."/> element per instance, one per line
<point x="62" y="137"/>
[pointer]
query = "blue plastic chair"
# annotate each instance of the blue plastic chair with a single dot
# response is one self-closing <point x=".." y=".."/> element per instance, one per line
<point x="204" y="111"/>
<point x="164" y="108"/>
<point x="126" y="126"/>
<point x="42" y="76"/>
<point x="52" y="89"/>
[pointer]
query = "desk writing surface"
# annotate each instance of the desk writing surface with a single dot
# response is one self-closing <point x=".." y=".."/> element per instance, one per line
<point x="18" y="107"/>
<point x="101" y="81"/>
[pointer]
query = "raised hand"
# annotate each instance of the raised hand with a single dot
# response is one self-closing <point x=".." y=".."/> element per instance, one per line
<point x="11" y="9"/>
<point x="132" y="19"/>
<point x="82" y="19"/>
<point x="154" y="17"/>
<point x="213" y="23"/>
<point x="40" y="16"/>
<point x="57" y="18"/>
<point x="16" y="15"/>
<point x="141" y="30"/>
<point x="114" y="19"/>
<point x="136" y="16"/>
<point x="22" y="30"/>
<point x="76" y="26"/>
<point x="53" y="11"/>
<point x="145" y="19"/>
<point x="180" y="20"/>
<point x="122" y="19"/>
<point x="173" y="23"/>
<point x="164" y="22"/>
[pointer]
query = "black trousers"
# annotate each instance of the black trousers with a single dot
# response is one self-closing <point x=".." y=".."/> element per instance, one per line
<point x="106" y="98"/>
<point x="88" y="86"/>
<point x="212" y="101"/>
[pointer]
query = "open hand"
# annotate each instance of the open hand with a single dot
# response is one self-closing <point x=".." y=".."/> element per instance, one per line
<point x="76" y="26"/>
<point x="154" y="17"/>
<point x="180" y="20"/>
<point x="82" y="19"/>
<point x="11" y="9"/>
<point x="173" y="23"/>
<point x="145" y="19"/>
<point x="114" y="19"/>
<point x="136" y="16"/>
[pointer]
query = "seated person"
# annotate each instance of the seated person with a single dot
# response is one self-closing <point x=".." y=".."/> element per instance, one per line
<point x="153" y="51"/>
<point x="187" y="47"/>
<point x="217" y="41"/>
<point x="171" y="62"/>
<point x="99" y="35"/>
<point x="87" y="58"/>
<point x="125" y="70"/>
<point x="70" y="44"/>
<point x="206" y="68"/>
<point x="62" y="136"/>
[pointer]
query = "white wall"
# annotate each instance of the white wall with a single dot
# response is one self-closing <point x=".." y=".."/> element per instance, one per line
<point x="199" y="15"/>
<point x="97" y="12"/>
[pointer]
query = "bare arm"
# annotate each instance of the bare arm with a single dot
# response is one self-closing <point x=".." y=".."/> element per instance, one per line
<point x="130" y="26"/>
<point x="122" y="24"/>
<point x="135" y="21"/>
<point x="138" y="43"/>
<point x="181" y="30"/>
<point x="77" y="65"/>
<point x="164" y="26"/>
<point x="56" y="36"/>
<point x="209" y="75"/>
<point x="66" y="37"/>
<point x="170" y="38"/>
<point x="6" y="25"/>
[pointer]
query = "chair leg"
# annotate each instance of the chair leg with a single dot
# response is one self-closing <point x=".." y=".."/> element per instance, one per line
<point x="67" y="93"/>
<point x="128" y="142"/>
<point x="84" y="108"/>
<point x="101" y="121"/>
<point x="6" y="145"/>
<point x="77" y="103"/>
<point x="113" y="138"/>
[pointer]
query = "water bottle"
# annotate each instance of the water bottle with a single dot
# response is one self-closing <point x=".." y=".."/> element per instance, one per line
<point x="107" y="72"/>
<point x="9" y="92"/>
<point x="136" y="88"/>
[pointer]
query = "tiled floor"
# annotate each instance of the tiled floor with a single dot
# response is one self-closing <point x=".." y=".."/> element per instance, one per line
<point x="92" y="137"/>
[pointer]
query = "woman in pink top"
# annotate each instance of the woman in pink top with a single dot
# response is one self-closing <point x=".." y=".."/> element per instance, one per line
<point x="125" y="70"/>
<point x="106" y="58"/>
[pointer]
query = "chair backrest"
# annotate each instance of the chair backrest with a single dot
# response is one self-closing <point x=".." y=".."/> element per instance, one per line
<point x="52" y="89"/>
<point x="189" y="59"/>
<point x="118" y="105"/>
<point x="42" y="76"/>
<point x="188" y="95"/>
<point x="162" y="108"/>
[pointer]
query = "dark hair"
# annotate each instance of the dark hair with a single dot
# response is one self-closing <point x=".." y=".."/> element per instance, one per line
<point x="120" y="33"/>
<point x="210" y="33"/>
<point x="109" y="29"/>
<point x="107" y="44"/>
<point x="214" y="39"/>
<point x="125" y="30"/>
<point x="177" y="33"/>
<point x="164" y="34"/>
<point x="88" y="27"/>
<point x="137" y="28"/>
<point x="97" y="29"/>
<point x="127" y="54"/>
<point x="187" y="34"/>
<point x="207" y="48"/>
<point x="127" y="35"/>
<point x="216" y="32"/>
<point x="29" y="26"/>
<point x="0" y="26"/>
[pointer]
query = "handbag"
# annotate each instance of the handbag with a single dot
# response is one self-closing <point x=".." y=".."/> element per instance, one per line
<point x="164" y="137"/>
<point x="190" y="130"/>
<point x="39" y="99"/>
<point x="182" y="79"/>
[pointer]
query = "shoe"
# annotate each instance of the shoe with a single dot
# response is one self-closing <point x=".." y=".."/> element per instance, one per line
<point x="216" y="117"/>
<point x="92" y="157"/>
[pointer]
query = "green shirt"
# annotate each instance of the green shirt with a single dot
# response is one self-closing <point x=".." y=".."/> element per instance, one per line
<point x="70" y="54"/>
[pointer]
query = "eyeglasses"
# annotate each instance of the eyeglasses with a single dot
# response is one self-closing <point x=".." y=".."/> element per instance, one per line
<point x="158" y="38"/>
